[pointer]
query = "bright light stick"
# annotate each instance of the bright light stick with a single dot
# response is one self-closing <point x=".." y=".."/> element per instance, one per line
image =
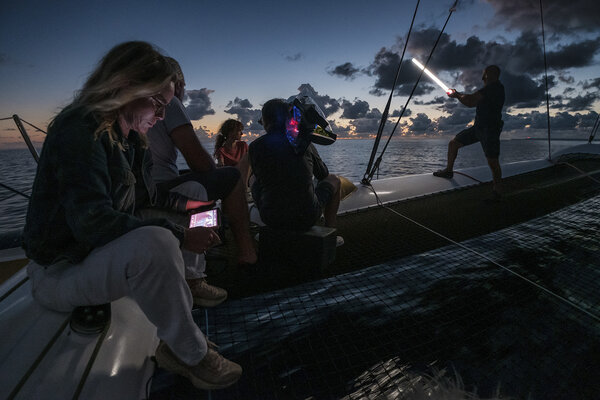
<point x="432" y="76"/>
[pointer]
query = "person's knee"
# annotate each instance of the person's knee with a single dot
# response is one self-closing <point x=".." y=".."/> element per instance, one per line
<point x="155" y="241"/>
<point x="154" y="247"/>
<point x="455" y="144"/>
<point x="334" y="181"/>
<point x="192" y="189"/>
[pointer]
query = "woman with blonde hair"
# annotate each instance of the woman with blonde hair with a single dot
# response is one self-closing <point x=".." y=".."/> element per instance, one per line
<point x="85" y="245"/>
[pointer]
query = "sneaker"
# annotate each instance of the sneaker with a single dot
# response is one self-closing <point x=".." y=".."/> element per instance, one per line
<point x="444" y="173"/>
<point x="213" y="372"/>
<point x="339" y="241"/>
<point x="206" y="295"/>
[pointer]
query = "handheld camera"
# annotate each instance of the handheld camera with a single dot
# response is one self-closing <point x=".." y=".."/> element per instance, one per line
<point x="307" y="124"/>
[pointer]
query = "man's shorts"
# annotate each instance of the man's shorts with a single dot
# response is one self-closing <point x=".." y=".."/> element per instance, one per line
<point x="489" y="139"/>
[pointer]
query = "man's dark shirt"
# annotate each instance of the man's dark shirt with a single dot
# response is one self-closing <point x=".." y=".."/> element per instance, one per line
<point x="489" y="110"/>
<point x="284" y="190"/>
<point x="86" y="189"/>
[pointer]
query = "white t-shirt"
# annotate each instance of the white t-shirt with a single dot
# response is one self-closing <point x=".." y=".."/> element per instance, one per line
<point x="164" y="152"/>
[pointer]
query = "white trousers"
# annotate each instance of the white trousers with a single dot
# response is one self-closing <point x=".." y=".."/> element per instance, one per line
<point x="195" y="264"/>
<point x="145" y="264"/>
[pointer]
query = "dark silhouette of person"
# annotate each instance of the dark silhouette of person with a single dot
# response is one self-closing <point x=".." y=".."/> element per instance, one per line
<point x="489" y="101"/>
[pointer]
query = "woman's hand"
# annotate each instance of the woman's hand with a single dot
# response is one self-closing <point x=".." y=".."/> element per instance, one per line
<point x="200" y="239"/>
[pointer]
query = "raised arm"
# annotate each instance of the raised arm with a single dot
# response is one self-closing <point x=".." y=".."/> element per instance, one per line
<point x="469" y="100"/>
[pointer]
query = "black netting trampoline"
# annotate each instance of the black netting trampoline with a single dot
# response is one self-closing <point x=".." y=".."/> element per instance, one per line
<point x="383" y="331"/>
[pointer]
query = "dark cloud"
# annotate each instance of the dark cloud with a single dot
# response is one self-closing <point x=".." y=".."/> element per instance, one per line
<point x="421" y="124"/>
<point x="577" y="103"/>
<point x="522" y="91"/>
<point x="346" y="70"/>
<point x="566" y="78"/>
<point x="327" y="104"/>
<point x="472" y="56"/>
<point x="396" y="113"/>
<point x="559" y="16"/>
<point x="588" y="120"/>
<point x="247" y="115"/>
<point x="198" y="103"/>
<point x="294" y="57"/>
<point x="358" y="109"/>
<point x="365" y="127"/>
<point x="593" y="84"/>
<point x="579" y="54"/>
<point x="240" y="103"/>
<point x="537" y="122"/>
<point x="436" y="100"/>
<point x="457" y="119"/>
<point x="521" y="63"/>
<point x="384" y="68"/>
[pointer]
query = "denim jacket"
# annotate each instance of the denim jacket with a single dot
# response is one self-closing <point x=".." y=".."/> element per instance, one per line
<point x="86" y="190"/>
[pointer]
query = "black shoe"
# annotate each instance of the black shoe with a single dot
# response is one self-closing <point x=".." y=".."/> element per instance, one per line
<point x="444" y="173"/>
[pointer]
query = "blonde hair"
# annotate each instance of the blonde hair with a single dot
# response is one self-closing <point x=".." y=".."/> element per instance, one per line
<point x="129" y="71"/>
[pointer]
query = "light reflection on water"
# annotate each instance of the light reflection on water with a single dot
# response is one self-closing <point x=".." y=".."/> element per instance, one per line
<point x="348" y="158"/>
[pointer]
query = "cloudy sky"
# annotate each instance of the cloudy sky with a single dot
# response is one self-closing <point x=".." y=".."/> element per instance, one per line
<point x="237" y="55"/>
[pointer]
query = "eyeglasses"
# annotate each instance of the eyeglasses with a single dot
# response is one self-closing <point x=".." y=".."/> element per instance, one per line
<point x="159" y="105"/>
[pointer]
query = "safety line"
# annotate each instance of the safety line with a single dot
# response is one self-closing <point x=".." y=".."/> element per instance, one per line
<point x="468" y="176"/>
<point x="582" y="172"/>
<point x="566" y="301"/>
<point x="33" y="126"/>
<point x="13" y="190"/>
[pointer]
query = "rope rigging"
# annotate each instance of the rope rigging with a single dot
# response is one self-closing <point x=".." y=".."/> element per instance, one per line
<point x="371" y="171"/>
<point x="546" y="81"/>
<point x="389" y="102"/>
<point x="594" y="129"/>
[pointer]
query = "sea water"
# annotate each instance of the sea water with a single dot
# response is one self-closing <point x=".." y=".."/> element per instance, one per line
<point x="349" y="158"/>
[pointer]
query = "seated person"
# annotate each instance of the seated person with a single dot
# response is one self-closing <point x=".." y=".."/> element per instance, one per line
<point x="230" y="150"/>
<point x="284" y="191"/>
<point x="85" y="245"/>
<point x="174" y="133"/>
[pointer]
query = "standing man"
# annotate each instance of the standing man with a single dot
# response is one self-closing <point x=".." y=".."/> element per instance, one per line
<point x="204" y="182"/>
<point x="487" y="127"/>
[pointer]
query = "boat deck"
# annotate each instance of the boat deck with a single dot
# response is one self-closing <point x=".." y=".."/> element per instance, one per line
<point x="379" y="234"/>
<point x="517" y="311"/>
